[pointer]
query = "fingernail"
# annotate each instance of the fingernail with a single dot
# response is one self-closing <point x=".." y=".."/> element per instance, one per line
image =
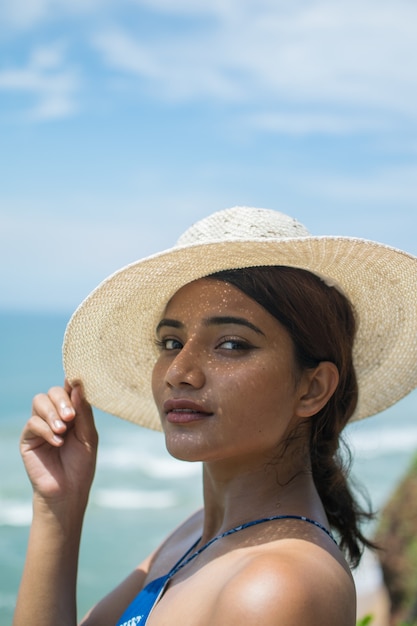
<point x="67" y="411"/>
<point x="59" y="424"/>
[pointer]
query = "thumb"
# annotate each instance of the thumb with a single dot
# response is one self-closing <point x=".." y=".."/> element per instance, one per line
<point x="84" y="426"/>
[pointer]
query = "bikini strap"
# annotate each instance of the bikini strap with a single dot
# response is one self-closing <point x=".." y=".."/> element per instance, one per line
<point x="184" y="560"/>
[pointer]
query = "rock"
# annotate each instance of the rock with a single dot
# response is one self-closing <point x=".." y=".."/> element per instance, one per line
<point x="397" y="537"/>
<point x="373" y="598"/>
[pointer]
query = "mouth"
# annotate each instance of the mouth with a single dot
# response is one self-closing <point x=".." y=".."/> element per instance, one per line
<point x="182" y="411"/>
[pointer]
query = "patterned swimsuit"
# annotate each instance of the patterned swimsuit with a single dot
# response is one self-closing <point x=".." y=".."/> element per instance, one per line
<point x="139" y="610"/>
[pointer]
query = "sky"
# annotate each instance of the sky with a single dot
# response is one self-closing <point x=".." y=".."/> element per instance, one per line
<point x="124" y="121"/>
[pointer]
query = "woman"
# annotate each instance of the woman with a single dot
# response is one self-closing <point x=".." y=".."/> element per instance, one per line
<point x="251" y="344"/>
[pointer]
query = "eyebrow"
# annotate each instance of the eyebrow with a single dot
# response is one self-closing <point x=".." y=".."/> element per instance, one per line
<point x="217" y="320"/>
<point x="166" y="321"/>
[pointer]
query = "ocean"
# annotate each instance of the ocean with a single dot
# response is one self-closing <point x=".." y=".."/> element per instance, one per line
<point x="140" y="493"/>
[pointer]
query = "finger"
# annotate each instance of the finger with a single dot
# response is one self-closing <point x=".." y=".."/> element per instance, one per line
<point x="61" y="398"/>
<point x="84" y="424"/>
<point x="68" y="386"/>
<point x="48" y="410"/>
<point x="36" y="432"/>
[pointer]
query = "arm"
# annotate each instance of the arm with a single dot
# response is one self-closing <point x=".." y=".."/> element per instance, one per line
<point x="58" y="446"/>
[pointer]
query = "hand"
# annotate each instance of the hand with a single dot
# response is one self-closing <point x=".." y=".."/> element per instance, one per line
<point x="59" y="445"/>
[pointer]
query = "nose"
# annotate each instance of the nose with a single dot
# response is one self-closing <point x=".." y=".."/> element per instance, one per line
<point x="186" y="368"/>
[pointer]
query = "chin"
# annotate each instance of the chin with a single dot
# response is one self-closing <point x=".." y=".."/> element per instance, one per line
<point x="181" y="447"/>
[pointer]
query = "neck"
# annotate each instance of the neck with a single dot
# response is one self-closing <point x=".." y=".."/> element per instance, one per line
<point x="233" y="497"/>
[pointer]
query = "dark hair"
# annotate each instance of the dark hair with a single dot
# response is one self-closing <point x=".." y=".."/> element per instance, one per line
<point x="321" y="323"/>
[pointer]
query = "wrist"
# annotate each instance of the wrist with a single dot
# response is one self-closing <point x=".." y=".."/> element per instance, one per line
<point x="65" y="512"/>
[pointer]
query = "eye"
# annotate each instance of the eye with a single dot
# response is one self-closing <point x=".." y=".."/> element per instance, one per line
<point x="168" y="344"/>
<point x="234" y="344"/>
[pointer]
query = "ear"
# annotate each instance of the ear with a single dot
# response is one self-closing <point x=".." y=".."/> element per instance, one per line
<point x="317" y="388"/>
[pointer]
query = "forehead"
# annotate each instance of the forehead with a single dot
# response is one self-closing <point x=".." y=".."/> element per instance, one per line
<point x="207" y="298"/>
<point x="211" y="294"/>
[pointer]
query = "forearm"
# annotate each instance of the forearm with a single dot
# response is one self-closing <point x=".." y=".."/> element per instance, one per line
<point x="47" y="594"/>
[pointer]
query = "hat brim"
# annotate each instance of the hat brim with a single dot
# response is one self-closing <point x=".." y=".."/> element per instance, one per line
<point x="109" y="341"/>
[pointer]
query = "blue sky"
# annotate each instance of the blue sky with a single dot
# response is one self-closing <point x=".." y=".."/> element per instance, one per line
<point x="123" y="121"/>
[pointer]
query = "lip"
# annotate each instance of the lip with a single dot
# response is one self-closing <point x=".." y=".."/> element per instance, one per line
<point x="184" y="411"/>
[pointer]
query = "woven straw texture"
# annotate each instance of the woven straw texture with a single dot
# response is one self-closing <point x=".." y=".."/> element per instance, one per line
<point x="109" y="341"/>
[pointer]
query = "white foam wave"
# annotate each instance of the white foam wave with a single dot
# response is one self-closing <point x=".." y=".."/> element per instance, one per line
<point x="133" y="499"/>
<point x="15" y="513"/>
<point x="152" y="465"/>
<point x="380" y="443"/>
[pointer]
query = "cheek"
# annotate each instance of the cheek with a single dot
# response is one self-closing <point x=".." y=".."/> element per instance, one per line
<point x="246" y="390"/>
<point x="262" y="391"/>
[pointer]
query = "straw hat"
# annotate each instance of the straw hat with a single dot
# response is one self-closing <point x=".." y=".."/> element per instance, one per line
<point x="109" y="341"/>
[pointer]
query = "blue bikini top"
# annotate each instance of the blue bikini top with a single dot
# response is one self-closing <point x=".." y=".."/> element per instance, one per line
<point x="139" y="610"/>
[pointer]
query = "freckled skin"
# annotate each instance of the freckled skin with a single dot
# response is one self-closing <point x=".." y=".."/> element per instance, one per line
<point x="243" y="377"/>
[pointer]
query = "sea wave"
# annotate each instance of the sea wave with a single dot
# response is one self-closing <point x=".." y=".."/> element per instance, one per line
<point x="133" y="499"/>
<point x="385" y="442"/>
<point x="151" y="464"/>
<point x="15" y="513"/>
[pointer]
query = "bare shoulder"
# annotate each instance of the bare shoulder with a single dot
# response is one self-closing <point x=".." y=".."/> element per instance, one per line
<point x="294" y="583"/>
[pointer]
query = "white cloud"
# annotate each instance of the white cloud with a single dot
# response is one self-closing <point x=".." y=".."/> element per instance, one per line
<point x="51" y="85"/>
<point x="29" y="13"/>
<point x="175" y="69"/>
<point x="355" y="55"/>
<point x="189" y="7"/>
<point x="26" y="14"/>
<point x="386" y="187"/>
<point x="347" y="53"/>
<point x="21" y="13"/>
<point x="265" y="55"/>
<point x="122" y="51"/>
<point x="291" y="123"/>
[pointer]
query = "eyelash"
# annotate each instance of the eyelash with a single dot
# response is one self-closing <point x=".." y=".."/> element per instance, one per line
<point x="238" y="343"/>
<point x="162" y="343"/>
